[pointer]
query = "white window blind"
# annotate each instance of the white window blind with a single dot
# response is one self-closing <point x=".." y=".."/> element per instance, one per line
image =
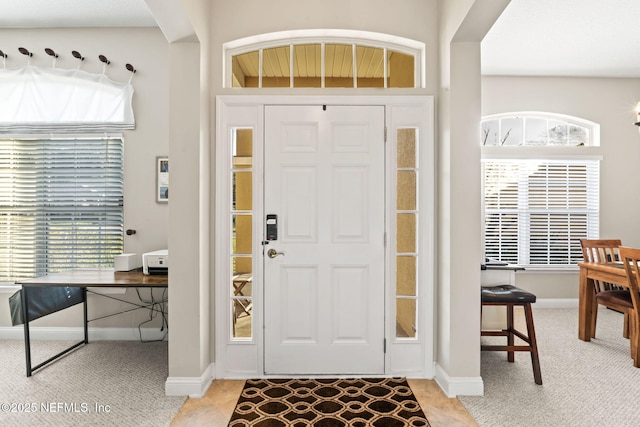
<point x="536" y="211"/>
<point x="61" y="205"/>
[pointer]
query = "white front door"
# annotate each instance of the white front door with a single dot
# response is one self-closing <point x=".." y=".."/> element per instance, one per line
<point x="324" y="181"/>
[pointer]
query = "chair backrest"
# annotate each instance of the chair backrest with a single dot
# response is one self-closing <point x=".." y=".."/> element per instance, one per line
<point x="631" y="259"/>
<point x="594" y="250"/>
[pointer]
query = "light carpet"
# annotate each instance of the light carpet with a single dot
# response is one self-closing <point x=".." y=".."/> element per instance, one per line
<point x="584" y="383"/>
<point x="104" y="383"/>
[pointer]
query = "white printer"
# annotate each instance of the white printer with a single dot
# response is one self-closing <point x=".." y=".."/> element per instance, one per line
<point x="156" y="262"/>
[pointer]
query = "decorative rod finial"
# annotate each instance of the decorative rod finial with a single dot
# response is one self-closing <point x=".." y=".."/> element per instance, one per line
<point x="51" y="52"/>
<point x="25" y="51"/>
<point x="77" y="55"/>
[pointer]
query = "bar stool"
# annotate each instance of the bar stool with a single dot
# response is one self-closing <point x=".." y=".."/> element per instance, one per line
<point x="510" y="296"/>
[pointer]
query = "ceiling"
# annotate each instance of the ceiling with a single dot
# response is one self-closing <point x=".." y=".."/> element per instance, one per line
<point x="532" y="37"/>
<point x="75" y="13"/>
<point x="597" y="38"/>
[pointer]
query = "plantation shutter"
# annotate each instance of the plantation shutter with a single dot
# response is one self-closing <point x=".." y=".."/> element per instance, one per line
<point x="536" y="211"/>
<point x="61" y="205"/>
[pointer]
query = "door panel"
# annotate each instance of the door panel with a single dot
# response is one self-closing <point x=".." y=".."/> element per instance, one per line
<point x="324" y="294"/>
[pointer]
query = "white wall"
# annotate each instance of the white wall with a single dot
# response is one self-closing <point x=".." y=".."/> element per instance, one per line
<point x="147" y="50"/>
<point x="609" y="102"/>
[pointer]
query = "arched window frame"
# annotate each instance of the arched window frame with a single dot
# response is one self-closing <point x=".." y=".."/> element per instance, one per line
<point x="325" y="36"/>
<point x="594" y="128"/>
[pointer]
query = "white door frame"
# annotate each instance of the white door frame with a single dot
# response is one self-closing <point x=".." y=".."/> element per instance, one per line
<point x="244" y="358"/>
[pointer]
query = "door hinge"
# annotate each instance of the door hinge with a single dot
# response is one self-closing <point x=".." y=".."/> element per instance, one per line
<point x="385" y="346"/>
<point x="385" y="239"/>
<point x="385" y="134"/>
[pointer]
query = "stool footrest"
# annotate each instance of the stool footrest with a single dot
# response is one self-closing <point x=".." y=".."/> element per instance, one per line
<point x="509" y="297"/>
<point x="505" y="333"/>
<point x="506" y="348"/>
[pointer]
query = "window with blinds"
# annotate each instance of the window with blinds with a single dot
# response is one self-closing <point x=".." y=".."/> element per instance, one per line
<point x="536" y="211"/>
<point x="61" y="205"/>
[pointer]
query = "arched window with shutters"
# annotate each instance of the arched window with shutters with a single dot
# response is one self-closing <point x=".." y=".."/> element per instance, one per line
<point x="541" y="188"/>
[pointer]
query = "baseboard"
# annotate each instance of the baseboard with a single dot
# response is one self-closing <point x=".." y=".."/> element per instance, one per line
<point x="75" y="333"/>
<point x="189" y="386"/>
<point x="458" y="386"/>
<point x="556" y="303"/>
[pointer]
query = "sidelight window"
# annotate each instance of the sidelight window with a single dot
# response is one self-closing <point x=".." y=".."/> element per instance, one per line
<point x="407" y="218"/>
<point x="241" y="218"/>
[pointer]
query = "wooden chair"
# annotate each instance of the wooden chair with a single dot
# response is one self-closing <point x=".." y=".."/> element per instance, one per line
<point x="607" y="294"/>
<point x="631" y="259"/>
<point x="511" y="296"/>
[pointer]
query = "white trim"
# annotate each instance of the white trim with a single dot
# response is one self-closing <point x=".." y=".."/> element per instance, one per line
<point x="493" y="152"/>
<point x="236" y="359"/>
<point x="569" y="269"/>
<point x="542" y="115"/>
<point x="189" y="386"/>
<point x="458" y="386"/>
<point x="73" y="333"/>
<point x="594" y="138"/>
<point x="320" y="35"/>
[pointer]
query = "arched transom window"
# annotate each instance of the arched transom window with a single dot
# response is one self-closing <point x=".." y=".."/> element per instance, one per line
<point x="538" y="129"/>
<point x="324" y="59"/>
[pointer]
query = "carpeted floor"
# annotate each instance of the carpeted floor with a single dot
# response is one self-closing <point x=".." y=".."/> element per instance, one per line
<point x="105" y="383"/>
<point x="584" y="383"/>
<point x="379" y="402"/>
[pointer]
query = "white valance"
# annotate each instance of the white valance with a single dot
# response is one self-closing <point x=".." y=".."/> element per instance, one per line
<point x="34" y="99"/>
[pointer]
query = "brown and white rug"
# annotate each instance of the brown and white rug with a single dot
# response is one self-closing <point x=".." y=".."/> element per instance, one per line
<point x="378" y="402"/>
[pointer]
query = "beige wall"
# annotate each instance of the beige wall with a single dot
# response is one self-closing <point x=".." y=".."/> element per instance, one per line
<point x="463" y="25"/>
<point x="413" y="19"/>
<point x="185" y="131"/>
<point x="458" y="309"/>
<point x="146" y="49"/>
<point x="608" y="102"/>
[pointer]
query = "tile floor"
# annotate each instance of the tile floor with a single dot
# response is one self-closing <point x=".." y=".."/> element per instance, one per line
<point x="216" y="406"/>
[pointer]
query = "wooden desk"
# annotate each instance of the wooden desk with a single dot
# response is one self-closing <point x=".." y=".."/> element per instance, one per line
<point x="105" y="277"/>
<point x="102" y="278"/>
<point x="589" y="271"/>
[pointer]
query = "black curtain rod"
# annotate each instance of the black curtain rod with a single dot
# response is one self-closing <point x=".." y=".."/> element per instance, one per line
<point x="74" y="53"/>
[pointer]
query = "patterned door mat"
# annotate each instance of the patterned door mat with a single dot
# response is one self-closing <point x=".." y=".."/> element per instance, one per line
<point x="379" y="402"/>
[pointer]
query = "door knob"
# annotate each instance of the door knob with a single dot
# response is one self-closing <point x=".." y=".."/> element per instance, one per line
<point x="272" y="253"/>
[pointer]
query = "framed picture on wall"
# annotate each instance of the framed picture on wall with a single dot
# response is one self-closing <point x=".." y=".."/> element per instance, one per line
<point x="162" y="179"/>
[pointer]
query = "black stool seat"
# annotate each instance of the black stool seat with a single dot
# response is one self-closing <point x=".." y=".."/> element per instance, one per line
<point x="505" y="294"/>
<point x="510" y="296"/>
